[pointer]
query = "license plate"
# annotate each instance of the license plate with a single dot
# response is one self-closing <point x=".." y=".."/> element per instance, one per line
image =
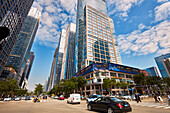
<point x="126" y="105"/>
<point x="77" y="99"/>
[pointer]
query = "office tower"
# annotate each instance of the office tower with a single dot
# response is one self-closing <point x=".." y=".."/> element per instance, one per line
<point x="59" y="59"/>
<point x="152" y="71"/>
<point x="166" y="63"/>
<point x="52" y="71"/>
<point x="66" y="70"/>
<point x="20" y="52"/>
<point x="13" y="14"/>
<point x="160" y="63"/>
<point x="27" y="70"/>
<point x="96" y="40"/>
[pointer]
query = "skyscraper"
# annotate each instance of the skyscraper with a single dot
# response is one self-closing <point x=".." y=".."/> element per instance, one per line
<point x="52" y="71"/>
<point x="65" y="60"/>
<point x="21" y="50"/>
<point x="59" y="59"/>
<point x="166" y="63"/>
<point x="160" y="61"/>
<point x="13" y="14"/>
<point x="69" y="53"/>
<point x="152" y="71"/>
<point x="95" y="35"/>
<point x="27" y="70"/>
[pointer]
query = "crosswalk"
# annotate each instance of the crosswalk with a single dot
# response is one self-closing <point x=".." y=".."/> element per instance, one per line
<point x="151" y="105"/>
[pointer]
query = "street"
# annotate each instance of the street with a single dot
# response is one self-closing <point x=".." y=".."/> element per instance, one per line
<point x="57" y="106"/>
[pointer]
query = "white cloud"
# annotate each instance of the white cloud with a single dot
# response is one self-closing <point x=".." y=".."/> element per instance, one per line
<point x="162" y="12"/>
<point x="122" y="6"/>
<point x="155" y="39"/>
<point x="56" y="15"/>
<point x="162" y="1"/>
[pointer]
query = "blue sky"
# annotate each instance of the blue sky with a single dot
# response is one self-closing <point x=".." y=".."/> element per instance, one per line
<point x="142" y="28"/>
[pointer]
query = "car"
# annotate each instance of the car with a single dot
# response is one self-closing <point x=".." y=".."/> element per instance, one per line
<point x="126" y="97"/>
<point x="56" y="97"/>
<point x="74" y="98"/>
<point x="45" y="97"/>
<point x="17" y="98"/>
<point x="23" y="98"/>
<point x="28" y="98"/>
<point x="62" y="97"/>
<point x="92" y="98"/>
<point x="109" y="105"/>
<point x="7" y="99"/>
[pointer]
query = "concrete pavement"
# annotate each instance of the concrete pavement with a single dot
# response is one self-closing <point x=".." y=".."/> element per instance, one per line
<point x="57" y="106"/>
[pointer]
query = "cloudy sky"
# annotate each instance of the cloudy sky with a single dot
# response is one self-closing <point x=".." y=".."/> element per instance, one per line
<point x="142" y="28"/>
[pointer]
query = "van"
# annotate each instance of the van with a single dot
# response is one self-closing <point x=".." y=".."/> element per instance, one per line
<point x="74" y="98"/>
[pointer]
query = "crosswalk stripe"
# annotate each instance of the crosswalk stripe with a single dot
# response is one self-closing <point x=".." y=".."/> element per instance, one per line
<point x="167" y="108"/>
<point x="160" y="106"/>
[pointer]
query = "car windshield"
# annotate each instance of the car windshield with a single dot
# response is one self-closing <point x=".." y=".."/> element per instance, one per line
<point x="116" y="99"/>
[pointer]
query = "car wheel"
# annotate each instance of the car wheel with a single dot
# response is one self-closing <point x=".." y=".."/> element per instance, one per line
<point x="109" y="110"/>
<point x="67" y="102"/>
<point x="89" y="107"/>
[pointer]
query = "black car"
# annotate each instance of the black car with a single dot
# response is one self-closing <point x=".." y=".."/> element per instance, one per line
<point x="109" y="105"/>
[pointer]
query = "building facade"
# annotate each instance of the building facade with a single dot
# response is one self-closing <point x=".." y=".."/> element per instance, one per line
<point x="21" y="50"/>
<point x="65" y="61"/>
<point x="95" y="35"/>
<point x="152" y="71"/>
<point x="160" y="63"/>
<point x="13" y="14"/>
<point x="27" y="70"/>
<point x="52" y="71"/>
<point x="59" y="59"/>
<point x="166" y="63"/>
<point x="95" y="73"/>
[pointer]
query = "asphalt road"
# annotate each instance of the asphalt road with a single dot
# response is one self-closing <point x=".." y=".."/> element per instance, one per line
<point x="56" y="106"/>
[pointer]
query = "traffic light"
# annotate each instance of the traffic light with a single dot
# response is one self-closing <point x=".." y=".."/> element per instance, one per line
<point x="4" y="32"/>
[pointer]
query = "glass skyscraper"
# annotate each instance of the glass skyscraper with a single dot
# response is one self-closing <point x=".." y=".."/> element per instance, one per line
<point x="12" y="15"/>
<point x="160" y="63"/>
<point x="21" y="50"/>
<point x="152" y="71"/>
<point x="95" y="35"/>
<point x="65" y="56"/>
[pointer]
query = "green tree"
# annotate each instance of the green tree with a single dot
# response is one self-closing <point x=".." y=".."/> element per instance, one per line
<point x="109" y="83"/>
<point x="38" y="89"/>
<point x="124" y="85"/>
<point x="81" y="82"/>
<point x="140" y="79"/>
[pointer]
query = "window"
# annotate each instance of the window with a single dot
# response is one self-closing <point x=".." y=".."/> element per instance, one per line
<point x="121" y="75"/>
<point x="128" y="76"/>
<point x="99" y="80"/>
<point x="112" y="74"/>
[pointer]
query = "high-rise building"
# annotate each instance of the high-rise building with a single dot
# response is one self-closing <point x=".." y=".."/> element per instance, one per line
<point x="65" y="62"/>
<point x="96" y="40"/>
<point x="52" y="71"/>
<point x="161" y="61"/>
<point x="21" y="50"/>
<point x="166" y="63"/>
<point x="27" y="70"/>
<point x="59" y="59"/>
<point x="12" y="16"/>
<point x="69" y="52"/>
<point x="152" y="71"/>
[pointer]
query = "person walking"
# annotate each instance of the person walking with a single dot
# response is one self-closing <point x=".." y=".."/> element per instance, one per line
<point x="160" y="99"/>
<point x="169" y="99"/>
<point x="155" y="97"/>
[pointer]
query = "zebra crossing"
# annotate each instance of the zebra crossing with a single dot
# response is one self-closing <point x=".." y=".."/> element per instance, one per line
<point x="151" y="105"/>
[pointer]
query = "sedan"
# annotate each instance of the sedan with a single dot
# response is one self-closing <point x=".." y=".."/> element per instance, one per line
<point x="7" y="99"/>
<point x="17" y="98"/>
<point x="109" y="105"/>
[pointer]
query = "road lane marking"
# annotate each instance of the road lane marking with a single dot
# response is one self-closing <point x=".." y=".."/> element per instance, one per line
<point x="167" y="108"/>
<point x="160" y="106"/>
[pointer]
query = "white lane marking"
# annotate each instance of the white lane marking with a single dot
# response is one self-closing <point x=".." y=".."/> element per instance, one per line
<point x="160" y="106"/>
<point x="167" y="108"/>
<point x="152" y="106"/>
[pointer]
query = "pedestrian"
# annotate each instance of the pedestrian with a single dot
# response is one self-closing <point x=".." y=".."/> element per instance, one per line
<point x="169" y="99"/>
<point x="155" y="97"/>
<point x="160" y="99"/>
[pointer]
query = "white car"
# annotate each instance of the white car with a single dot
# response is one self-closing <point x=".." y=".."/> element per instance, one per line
<point x="127" y="97"/>
<point x="17" y="98"/>
<point x="92" y="98"/>
<point x="23" y="98"/>
<point x="7" y="99"/>
<point x="74" y="98"/>
<point x="56" y="97"/>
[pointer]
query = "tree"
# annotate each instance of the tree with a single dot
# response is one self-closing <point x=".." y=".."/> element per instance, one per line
<point x="109" y="83"/>
<point x="81" y="82"/>
<point x="38" y="89"/>
<point x="140" y="79"/>
<point x="124" y="85"/>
